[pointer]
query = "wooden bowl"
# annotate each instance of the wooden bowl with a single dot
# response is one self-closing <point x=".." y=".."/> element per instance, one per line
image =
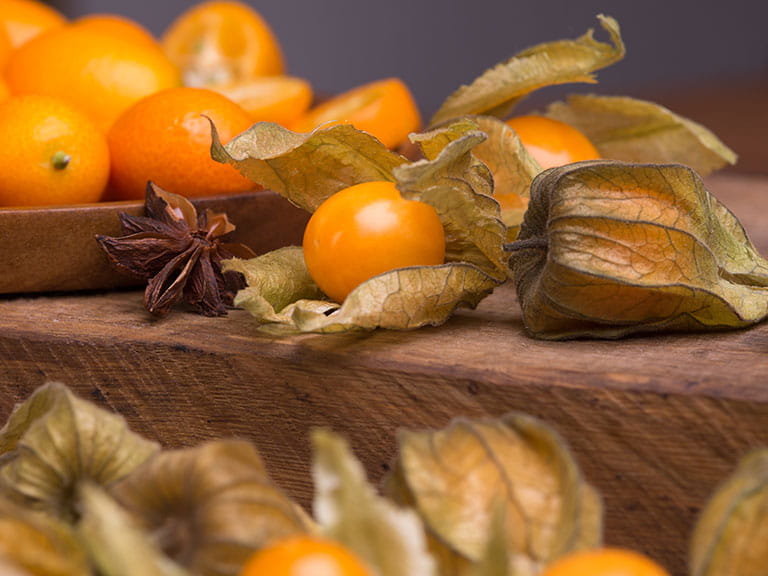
<point x="52" y="249"/>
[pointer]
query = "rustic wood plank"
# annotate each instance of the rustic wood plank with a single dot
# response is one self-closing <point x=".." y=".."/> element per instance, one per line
<point x="656" y="422"/>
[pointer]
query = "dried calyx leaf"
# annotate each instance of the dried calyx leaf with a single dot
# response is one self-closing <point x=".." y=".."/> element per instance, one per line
<point x="454" y="182"/>
<point x="31" y="543"/>
<point x="178" y="252"/>
<point x="307" y="168"/>
<point x="399" y="300"/>
<point x="54" y="441"/>
<point x="209" y="507"/>
<point x="513" y="170"/>
<point x="731" y="535"/>
<point x="274" y="281"/>
<point x="499" y="89"/>
<point x="512" y="479"/>
<point x="609" y="249"/>
<point x="348" y="509"/>
<point x="116" y="544"/>
<point x="495" y="559"/>
<point x="634" y="130"/>
<point x="280" y="292"/>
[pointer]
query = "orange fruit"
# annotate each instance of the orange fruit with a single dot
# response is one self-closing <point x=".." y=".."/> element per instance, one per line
<point x="509" y="201"/>
<point x="366" y="230"/>
<point x="304" y="556"/>
<point x="166" y="138"/>
<point x="4" y="92"/>
<point x="222" y="42"/>
<point x="280" y="99"/>
<point x="605" y="562"/>
<point x="384" y="108"/>
<point x="25" y="19"/>
<point x="551" y="142"/>
<point x="118" y="25"/>
<point x="101" y="72"/>
<point x="51" y="153"/>
<point x="5" y="48"/>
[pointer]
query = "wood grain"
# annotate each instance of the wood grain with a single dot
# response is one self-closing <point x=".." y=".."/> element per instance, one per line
<point x="655" y="422"/>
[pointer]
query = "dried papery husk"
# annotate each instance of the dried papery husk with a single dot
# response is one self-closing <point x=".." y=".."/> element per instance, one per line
<point x="457" y="185"/>
<point x="116" y="543"/>
<point x="499" y="89"/>
<point x="33" y="543"/>
<point x="403" y="299"/>
<point x="511" y="478"/>
<point x="495" y="560"/>
<point x="633" y="130"/>
<point x="610" y="248"/>
<point x="54" y="440"/>
<point x="348" y="509"/>
<point x="447" y="152"/>
<point x="274" y="281"/>
<point x="512" y="167"/>
<point x="280" y="293"/>
<point x="210" y="507"/>
<point x="730" y="537"/>
<point x="306" y="168"/>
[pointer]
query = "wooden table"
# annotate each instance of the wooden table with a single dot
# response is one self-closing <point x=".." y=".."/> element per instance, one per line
<point x="655" y="422"/>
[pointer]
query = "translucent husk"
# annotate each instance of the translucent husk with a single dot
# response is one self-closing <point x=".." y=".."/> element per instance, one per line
<point x="55" y="440"/>
<point x="33" y="543"/>
<point x="116" y="543"/>
<point x="633" y="130"/>
<point x="512" y="168"/>
<point x="210" y="507"/>
<point x="499" y="89"/>
<point x="390" y="539"/>
<point x="611" y="248"/>
<point x="280" y="293"/>
<point x="504" y="488"/>
<point x="731" y="534"/>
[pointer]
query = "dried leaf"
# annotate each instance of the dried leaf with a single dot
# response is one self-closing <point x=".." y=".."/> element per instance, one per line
<point x="459" y="187"/>
<point x="495" y="559"/>
<point x="55" y="440"/>
<point x="499" y="89"/>
<point x="432" y="142"/>
<point x="637" y="131"/>
<point x="274" y="280"/>
<point x="307" y="168"/>
<point x="731" y="535"/>
<point x="116" y="544"/>
<point x="35" y="544"/>
<point x="448" y="156"/>
<point x="609" y="249"/>
<point x="513" y="170"/>
<point x="281" y="294"/>
<point x="467" y="477"/>
<point x="390" y="539"/>
<point x="403" y="299"/>
<point x="210" y="507"/>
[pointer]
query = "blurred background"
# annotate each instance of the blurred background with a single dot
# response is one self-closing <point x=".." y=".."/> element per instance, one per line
<point x="707" y="59"/>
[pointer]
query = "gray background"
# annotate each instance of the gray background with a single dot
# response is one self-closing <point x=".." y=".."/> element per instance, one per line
<point x="437" y="45"/>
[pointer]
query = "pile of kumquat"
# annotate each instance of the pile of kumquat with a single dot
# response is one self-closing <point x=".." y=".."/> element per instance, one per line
<point x="92" y="108"/>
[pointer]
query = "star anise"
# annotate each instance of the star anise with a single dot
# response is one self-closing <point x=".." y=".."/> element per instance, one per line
<point x="179" y="253"/>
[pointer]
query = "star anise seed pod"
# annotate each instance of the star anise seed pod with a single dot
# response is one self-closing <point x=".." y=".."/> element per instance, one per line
<point x="179" y="253"/>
